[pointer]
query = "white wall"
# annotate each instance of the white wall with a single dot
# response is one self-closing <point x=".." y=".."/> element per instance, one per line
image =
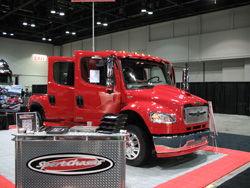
<point x="18" y="55"/>
<point x="220" y="40"/>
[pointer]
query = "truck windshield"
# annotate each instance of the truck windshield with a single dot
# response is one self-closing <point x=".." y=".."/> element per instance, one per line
<point x="143" y="74"/>
<point x="5" y="78"/>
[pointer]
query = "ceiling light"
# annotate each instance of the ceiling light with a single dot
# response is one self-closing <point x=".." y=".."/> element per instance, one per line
<point x="52" y="11"/>
<point x="143" y="10"/>
<point x="105" y="24"/>
<point x="98" y="23"/>
<point x="73" y="33"/>
<point x="61" y="13"/>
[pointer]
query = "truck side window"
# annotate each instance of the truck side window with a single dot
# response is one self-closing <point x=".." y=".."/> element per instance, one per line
<point x="64" y="73"/>
<point x="94" y="71"/>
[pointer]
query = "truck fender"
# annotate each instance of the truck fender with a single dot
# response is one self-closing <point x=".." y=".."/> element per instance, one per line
<point x="35" y="106"/>
<point x="143" y="108"/>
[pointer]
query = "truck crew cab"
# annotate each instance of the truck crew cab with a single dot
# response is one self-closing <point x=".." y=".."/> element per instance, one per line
<point x="162" y="119"/>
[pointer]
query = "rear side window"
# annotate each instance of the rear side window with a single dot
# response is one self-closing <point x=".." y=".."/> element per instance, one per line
<point x="64" y="73"/>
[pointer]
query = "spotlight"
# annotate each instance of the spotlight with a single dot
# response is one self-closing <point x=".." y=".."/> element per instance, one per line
<point x="61" y="13"/>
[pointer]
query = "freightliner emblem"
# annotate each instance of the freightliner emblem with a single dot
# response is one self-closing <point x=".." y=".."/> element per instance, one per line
<point x="199" y="113"/>
<point x="70" y="164"/>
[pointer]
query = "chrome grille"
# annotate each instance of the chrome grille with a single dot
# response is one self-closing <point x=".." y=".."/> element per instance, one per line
<point x="195" y="114"/>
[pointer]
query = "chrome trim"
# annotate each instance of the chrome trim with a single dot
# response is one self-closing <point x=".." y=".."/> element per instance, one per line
<point x="195" y="114"/>
<point x="178" y="142"/>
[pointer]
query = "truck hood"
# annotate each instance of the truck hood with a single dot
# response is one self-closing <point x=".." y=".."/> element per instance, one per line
<point x="168" y="95"/>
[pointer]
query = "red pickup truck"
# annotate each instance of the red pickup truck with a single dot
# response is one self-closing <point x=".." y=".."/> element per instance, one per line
<point x="162" y="119"/>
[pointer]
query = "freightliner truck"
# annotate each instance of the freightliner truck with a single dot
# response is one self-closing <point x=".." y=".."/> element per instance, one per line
<point x="162" y="120"/>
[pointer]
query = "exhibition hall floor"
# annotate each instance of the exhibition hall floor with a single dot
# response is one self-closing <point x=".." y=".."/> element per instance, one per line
<point x="211" y="167"/>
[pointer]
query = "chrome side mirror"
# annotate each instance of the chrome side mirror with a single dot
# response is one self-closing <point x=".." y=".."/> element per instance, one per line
<point x="110" y="67"/>
<point x="185" y="79"/>
<point x="109" y="82"/>
<point x="110" y="72"/>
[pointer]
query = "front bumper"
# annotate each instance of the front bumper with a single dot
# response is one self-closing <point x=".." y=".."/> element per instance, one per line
<point x="170" y="146"/>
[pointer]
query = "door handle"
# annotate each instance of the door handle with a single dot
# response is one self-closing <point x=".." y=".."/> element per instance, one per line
<point x="52" y="100"/>
<point x="79" y="101"/>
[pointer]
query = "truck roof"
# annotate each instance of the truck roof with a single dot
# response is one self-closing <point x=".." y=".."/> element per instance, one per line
<point x="123" y="54"/>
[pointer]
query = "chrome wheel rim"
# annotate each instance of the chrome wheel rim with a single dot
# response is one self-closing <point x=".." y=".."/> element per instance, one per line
<point x="132" y="146"/>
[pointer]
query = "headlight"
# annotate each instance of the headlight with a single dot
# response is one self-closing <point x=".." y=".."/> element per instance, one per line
<point x="160" y="117"/>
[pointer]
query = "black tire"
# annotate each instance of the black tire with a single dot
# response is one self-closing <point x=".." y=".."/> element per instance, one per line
<point x="138" y="146"/>
<point x="39" y="119"/>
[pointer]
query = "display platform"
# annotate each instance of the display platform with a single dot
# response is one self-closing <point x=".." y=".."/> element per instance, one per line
<point x="204" y="167"/>
<point x="70" y="159"/>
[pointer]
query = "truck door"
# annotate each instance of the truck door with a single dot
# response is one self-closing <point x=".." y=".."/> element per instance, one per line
<point x="61" y="81"/>
<point x="92" y="97"/>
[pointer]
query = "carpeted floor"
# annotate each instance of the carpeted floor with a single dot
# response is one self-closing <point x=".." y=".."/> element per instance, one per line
<point x="235" y="142"/>
<point x="241" y="181"/>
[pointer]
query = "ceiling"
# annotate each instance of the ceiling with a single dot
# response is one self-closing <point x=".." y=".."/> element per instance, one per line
<point x="120" y="15"/>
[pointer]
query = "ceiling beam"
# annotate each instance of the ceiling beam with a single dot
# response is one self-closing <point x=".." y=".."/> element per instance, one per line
<point x="16" y="9"/>
<point x="179" y="5"/>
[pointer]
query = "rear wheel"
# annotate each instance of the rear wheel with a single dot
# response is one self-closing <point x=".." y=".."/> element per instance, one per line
<point x="39" y="119"/>
<point x="138" y="146"/>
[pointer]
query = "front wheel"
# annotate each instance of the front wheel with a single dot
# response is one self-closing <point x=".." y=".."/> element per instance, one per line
<point x="138" y="146"/>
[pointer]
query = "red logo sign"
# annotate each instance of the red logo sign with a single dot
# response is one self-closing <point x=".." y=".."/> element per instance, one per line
<point x="70" y="164"/>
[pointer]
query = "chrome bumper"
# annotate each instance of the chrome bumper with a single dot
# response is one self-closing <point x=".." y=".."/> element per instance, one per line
<point x="169" y="146"/>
